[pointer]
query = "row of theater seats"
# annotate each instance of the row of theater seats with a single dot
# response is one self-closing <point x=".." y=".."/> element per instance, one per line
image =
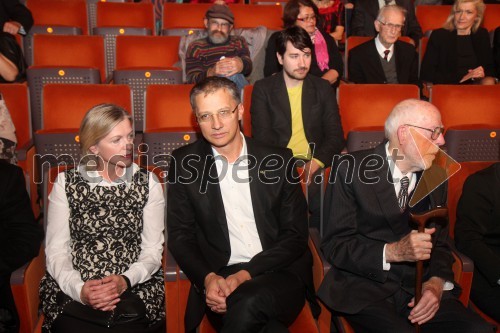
<point x="176" y="18"/>
<point x="169" y="123"/>
<point x="24" y="281"/>
<point x="89" y="14"/>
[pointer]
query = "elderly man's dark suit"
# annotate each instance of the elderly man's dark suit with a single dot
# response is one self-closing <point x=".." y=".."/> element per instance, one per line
<point x="362" y="215"/>
<point x="366" y="11"/>
<point x="197" y="227"/>
<point x="365" y="66"/>
<point x="271" y="115"/>
<point x="20" y="236"/>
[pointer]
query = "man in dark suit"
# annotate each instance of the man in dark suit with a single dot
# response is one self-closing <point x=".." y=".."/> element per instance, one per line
<point x="15" y="17"/>
<point x="477" y="234"/>
<point x="369" y="240"/>
<point x="237" y="221"/>
<point x="297" y="110"/>
<point x="20" y="238"/>
<point x="385" y="59"/>
<point x="365" y="12"/>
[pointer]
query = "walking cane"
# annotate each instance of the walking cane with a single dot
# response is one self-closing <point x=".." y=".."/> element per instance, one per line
<point x="421" y="221"/>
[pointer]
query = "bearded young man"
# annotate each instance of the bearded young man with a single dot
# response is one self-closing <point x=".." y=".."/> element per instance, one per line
<point x="219" y="54"/>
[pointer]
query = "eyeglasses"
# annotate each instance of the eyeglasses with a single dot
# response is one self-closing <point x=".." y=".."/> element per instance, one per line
<point x="307" y="18"/>
<point x="397" y="27"/>
<point x="222" y="114"/>
<point x="215" y="24"/>
<point x="435" y="132"/>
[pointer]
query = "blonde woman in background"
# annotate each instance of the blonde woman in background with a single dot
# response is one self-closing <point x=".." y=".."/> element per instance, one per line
<point x="460" y="52"/>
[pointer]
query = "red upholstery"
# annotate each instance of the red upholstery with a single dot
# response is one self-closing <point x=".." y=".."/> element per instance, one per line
<point x="167" y="106"/>
<point x="66" y="104"/>
<point x="60" y="13"/>
<point x="69" y="51"/>
<point x="368" y="105"/>
<point x="146" y="51"/>
<point x="126" y="14"/>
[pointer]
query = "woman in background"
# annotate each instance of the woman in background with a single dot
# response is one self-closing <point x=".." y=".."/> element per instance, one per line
<point x="460" y="52"/>
<point x="104" y="239"/>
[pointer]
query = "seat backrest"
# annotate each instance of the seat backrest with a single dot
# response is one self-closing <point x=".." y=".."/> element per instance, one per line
<point x="136" y="15"/>
<point x="60" y="13"/>
<point x="432" y="17"/>
<point x="251" y="16"/>
<point x="110" y="34"/>
<point x="15" y="96"/>
<point x="178" y="16"/>
<point x="168" y="107"/>
<point x="92" y="10"/>
<point x="138" y="80"/>
<point x="350" y="43"/>
<point x="66" y="104"/>
<point x="467" y="105"/>
<point x="368" y="105"/>
<point x="247" y="117"/>
<point x="70" y="51"/>
<point x="150" y="52"/>
<point x="491" y="17"/>
<point x="455" y="185"/>
<point x="47" y="30"/>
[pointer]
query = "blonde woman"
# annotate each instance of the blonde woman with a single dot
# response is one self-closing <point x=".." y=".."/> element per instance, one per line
<point x="460" y="52"/>
<point x="104" y="238"/>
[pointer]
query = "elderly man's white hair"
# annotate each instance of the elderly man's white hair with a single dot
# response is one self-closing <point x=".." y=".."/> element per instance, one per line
<point x="409" y="111"/>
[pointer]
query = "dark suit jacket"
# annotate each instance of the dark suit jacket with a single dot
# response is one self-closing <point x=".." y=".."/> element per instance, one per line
<point x="439" y="65"/>
<point x="198" y="234"/>
<point x="271" y="64"/>
<point x="477" y="230"/>
<point x="272" y="122"/>
<point x="365" y="66"/>
<point x="20" y="236"/>
<point x="362" y="215"/>
<point x="366" y="11"/>
<point x="13" y="10"/>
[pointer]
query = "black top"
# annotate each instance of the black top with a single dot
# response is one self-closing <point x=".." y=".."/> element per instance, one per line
<point x="466" y="57"/>
<point x="441" y="60"/>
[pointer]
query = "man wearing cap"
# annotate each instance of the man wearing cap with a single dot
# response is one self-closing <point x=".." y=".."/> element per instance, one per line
<point x="219" y="54"/>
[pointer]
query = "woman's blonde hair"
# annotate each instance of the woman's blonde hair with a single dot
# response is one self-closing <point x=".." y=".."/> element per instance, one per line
<point x="97" y="123"/>
<point x="480" y="7"/>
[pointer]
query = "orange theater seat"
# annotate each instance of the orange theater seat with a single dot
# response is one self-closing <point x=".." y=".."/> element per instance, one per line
<point x="126" y="14"/>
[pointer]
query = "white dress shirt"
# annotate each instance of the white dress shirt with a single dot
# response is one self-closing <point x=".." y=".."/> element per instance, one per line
<point x="235" y="190"/>
<point x="58" y="240"/>
<point x="381" y="48"/>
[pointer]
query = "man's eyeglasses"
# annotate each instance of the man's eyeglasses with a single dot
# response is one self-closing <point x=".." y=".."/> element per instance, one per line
<point x="222" y="114"/>
<point x="435" y="132"/>
<point x="307" y="18"/>
<point x="397" y="27"/>
<point x="215" y="24"/>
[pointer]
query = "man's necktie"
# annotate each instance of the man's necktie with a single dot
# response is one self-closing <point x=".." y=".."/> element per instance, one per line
<point x="387" y="2"/>
<point x="403" y="192"/>
<point x="386" y="54"/>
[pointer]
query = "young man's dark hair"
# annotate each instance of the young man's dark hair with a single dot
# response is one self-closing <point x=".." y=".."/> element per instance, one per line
<point x="297" y="36"/>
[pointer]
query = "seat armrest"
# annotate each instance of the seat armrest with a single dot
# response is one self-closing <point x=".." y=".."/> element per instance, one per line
<point x="22" y="150"/>
<point x="24" y="283"/>
<point x="463" y="270"/>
